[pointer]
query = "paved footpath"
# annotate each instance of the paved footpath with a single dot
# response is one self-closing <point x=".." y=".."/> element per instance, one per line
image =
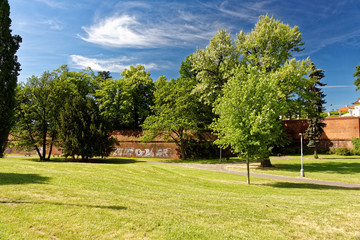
<point x="222" y="168"/>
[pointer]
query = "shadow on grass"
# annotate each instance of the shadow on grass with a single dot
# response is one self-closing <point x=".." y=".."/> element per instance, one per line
<point x="331" y="167"/>
<point x="94" y="160"/>
<point x="19" y="178"/>
<point x="113" y="207"/>
<point x="307" y="186"/>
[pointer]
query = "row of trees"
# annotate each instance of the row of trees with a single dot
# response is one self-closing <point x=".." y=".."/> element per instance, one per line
<point x="231" y="87"/>
<point x="78" y="110"/>
<point x="237" y="88"/>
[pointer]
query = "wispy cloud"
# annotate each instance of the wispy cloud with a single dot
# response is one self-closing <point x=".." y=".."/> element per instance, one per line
<point x="128" y="31"/>
<point x="246" y="10"/>
<point x="53" y="24"/>
<point x="53" y="3"/>
<point x="339" y="86"/>
<point x="112" y="64"/>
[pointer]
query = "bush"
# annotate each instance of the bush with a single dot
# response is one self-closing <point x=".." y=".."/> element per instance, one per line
<point x="356" y="143"/>
<point x="342" y="151"/>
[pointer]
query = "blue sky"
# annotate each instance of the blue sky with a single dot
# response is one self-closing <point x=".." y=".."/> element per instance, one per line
<point x="112" y="35"/>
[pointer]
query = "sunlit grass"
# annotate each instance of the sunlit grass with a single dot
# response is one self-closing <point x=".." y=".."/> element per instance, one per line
<point x="325" y="168"/>
<point x="118" y="199"/>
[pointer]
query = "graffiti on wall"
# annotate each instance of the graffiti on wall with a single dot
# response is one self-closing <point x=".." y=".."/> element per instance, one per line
<point x="128" y="152"/>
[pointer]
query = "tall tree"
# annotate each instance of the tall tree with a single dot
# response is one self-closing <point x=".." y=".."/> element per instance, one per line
<point x="214" y="66"/>
<point x="9" y="71"/>
<point x="269" y="45"/>
<point x="357" y="75"/>
<point x="140" y="88"/>
<point x="37" y="111"/>
<point x="114" y="102"/>
<point x="248" y="113"/>
<point x="268" y="48"/>
<point x="82" y="129"/>
<point x="177" y="112"/>
<point x="315" y="106"/>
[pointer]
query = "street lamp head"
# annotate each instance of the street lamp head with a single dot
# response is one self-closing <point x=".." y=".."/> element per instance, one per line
<point x="300" y="134"/>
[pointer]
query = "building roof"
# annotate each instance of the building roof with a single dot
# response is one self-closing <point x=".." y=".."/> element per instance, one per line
<point x="343" y="109"/>
<point x="357" y="101"/>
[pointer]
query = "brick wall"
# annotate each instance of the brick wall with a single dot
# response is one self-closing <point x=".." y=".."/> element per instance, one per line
<point x="338" y="131"/>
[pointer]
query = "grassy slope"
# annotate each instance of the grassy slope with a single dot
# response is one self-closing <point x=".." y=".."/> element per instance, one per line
<point x="152" y="201"/>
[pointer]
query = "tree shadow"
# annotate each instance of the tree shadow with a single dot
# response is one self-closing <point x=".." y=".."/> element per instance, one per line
<point x="20" y="178"/>
<point x="307" y="186"/>
<point x="331" y="167"/>
<point x="112" y="207"/>
<point x="94" y="160"/>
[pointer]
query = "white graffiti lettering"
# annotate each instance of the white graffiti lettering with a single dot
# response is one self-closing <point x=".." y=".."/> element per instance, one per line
<point x="128" y="152"/>
<point x="123" y="152"/>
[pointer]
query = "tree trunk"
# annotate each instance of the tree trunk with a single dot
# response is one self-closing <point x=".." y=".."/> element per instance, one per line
<point x="315" y="152"/>
<point x="51" y="146"/>
<point x="38" y="152"/>
<point x="265" y="162"/>
<point x="248" y="170"/>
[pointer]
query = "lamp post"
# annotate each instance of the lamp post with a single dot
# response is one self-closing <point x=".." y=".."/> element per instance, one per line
<point x="302" y="163"/>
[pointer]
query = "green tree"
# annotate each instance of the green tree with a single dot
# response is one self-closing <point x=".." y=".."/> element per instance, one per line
<point x="315" y="105"/>
<point x="177" y="112"/>
<point x="248" y="113"/>
<point x="104" y="74"/>
<point x="114" y="102"/>
<point x="214" y="66"/>
<point x="269" y="48"/>
<point x="269" y="45"/>
<point x="37" y="110"/>
<point x="140" y="89"/>
<point x="357" y="75"/>
<point x="9" y="71"/>
<point x="82" y="129"/>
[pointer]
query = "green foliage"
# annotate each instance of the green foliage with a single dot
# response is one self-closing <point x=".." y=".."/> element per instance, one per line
<point x="82" y="129"/>
<point x="249" y="113"/>
<point x="139" y="88"/>
<point x="357" y="75"/>
<point x="314" y="106"/>
<point x="269" y="45"/>
<point x="334" y="114"/>
<point x="9" y="70"/>
<point x="114" y="102"/>
<point x="342" y="151"/>
<point x="214" y="66"/>
<point x="324" y="114"/>
<point x="356" y="143"/>
<point x="177" y="112"/>
<point x="38" y="104"/>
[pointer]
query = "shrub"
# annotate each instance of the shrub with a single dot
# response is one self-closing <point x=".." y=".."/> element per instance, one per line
<point x="342" y="151"/>
<point x="356" y="143"/>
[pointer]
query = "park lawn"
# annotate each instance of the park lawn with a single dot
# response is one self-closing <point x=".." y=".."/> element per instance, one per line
<point x="330" y="168"/>
<point x="138" y="200"/>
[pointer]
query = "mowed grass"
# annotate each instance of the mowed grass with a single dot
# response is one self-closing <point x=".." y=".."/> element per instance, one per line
<point x="136" y="200"/>
<point x="330" y="168"/>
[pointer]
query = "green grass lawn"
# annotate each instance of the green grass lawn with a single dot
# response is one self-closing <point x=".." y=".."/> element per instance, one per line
<point x="330" y="168"/>
<point x="118" y="199"/>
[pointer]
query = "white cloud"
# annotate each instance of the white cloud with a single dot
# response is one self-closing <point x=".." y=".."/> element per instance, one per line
<point x="112" y="64"/>
<point x="54" y="24"/>
<point x="127" y="31"/>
